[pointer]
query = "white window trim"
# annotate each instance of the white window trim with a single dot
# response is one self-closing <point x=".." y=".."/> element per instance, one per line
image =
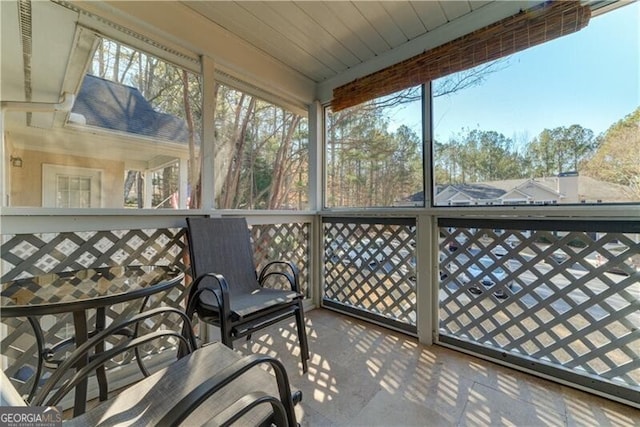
<point x="49" y="171"/>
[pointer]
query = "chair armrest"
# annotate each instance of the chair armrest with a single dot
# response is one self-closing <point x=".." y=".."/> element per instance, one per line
<point x="186" y="337"/>
<point x="245" y="404"/>
<point x="221" y="294"/>
<point x="181" y="410"/>
<point x="291" y="275"/>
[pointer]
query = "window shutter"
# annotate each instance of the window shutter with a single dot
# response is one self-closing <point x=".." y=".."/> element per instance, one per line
<point x="528" y="28"/>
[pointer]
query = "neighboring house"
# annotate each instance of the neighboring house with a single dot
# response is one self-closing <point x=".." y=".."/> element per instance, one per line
<point x="532" y="191"/>
<point x="112" y="129"/>
<point x="468" y="194"/>
<point x="117" y="107"/>
<point x="567" y="187"/>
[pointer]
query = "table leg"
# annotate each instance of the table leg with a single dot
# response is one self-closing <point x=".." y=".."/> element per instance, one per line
<point x="37" y="331"/>
<point x="101" y="320"/>
<point x="80" y="326"/>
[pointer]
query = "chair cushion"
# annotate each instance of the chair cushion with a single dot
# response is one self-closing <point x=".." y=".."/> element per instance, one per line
<point x="245" y="305"/>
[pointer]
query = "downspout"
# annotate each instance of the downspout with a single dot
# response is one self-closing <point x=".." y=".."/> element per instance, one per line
<point x="28" y="107"/>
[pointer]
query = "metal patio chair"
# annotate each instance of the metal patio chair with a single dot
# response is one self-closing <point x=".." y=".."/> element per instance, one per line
<point x="212" y="385"/>
<point x="228" y="293"/>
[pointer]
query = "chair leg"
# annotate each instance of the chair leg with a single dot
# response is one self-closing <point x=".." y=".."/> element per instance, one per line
<point x="225" y="333"/>
<point x="227" y="340"/>
<point x="302" y="337"/>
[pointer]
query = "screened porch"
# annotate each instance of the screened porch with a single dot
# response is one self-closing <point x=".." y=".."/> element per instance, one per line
<point x="469" y="255"/>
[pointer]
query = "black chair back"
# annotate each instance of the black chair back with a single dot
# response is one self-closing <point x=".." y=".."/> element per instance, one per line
<point x="223" y="246"/>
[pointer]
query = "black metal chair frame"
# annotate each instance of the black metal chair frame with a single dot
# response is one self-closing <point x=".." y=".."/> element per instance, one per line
<point x="174" y="413"/>
<point x="58" y="385"/>
<point x="232" y="326"/>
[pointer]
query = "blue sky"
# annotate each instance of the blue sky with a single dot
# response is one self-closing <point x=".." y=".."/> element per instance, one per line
<point x="590" y="78"/>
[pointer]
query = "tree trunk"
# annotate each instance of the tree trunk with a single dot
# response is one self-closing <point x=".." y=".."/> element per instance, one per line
<point x="232" y="180"/>
<point x="140" y="189"/>
<point x="116" y="64"/>
<point x="194" y="166"/>
<point x="128" y="183"/>
<point x="281" y="164"/>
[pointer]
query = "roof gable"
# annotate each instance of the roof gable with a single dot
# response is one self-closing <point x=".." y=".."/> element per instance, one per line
<point x="533" y="188"/>
<point x="515" y="194"/>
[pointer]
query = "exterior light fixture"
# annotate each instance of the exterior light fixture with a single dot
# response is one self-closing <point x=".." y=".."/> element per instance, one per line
<point x="16" y="162"/>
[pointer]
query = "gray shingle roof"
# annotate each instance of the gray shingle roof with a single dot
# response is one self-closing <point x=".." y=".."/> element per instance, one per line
<point x="479" y="191"/>
<point x="118" y="107"/>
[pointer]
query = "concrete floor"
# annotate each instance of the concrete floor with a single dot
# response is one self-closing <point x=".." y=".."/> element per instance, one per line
<point x="364" y="375"/>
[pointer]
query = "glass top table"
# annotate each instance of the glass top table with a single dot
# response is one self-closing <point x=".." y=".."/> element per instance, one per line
<point x="83" y="289"/>
<point x="77" y="292"/>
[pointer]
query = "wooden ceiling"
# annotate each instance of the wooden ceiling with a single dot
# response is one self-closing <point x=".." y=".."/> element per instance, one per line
<point x="322" y="39"/>
<point x="299" y="50"/>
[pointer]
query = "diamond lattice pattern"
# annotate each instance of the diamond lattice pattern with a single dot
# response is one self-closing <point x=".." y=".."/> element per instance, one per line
<point x="287" y="242"/>
<point x="570" y="298"/>
<point x="25" y="255"/>
<point x="371" y="266"/>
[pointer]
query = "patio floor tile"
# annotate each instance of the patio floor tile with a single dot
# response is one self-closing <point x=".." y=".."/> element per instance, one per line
<point x="365" y="375"/>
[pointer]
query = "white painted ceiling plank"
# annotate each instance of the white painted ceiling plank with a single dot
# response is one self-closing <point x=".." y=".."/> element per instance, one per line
<point x="283" y="34"/>
<point x="476" y="4"/>
<point x="405" y="17"/>
<point x="319" y="12"/>
<point x="351" y="16"/>
<point x="301" y="29"/>
<point x="253" y="30"/>
<point x="455" y="9"/>
<point x="430" y="13"/>
<point x="382" y="22"/>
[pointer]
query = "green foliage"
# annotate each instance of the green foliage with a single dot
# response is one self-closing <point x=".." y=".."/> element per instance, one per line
<point x="368" y="163"/>
<point x="475" y="156"/>
<point x="480" y="156"/>
<point x="617" y="158"/>
<point x="560" y="150"/>
<point x="261" y="153"/>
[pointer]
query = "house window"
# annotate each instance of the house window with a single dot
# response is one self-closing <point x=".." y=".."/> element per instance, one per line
<point x="374" y="153"/>
<point x="73" y="191"/>
<point x="554" y="124"/>
<point x="71" y="187"/>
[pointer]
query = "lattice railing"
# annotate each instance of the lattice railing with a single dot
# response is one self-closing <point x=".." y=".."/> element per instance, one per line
<point x="26" y="255"/>
<point x="564" y="293"/>
<point x="290" y="242"/>
<point x="369" y="266"/>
